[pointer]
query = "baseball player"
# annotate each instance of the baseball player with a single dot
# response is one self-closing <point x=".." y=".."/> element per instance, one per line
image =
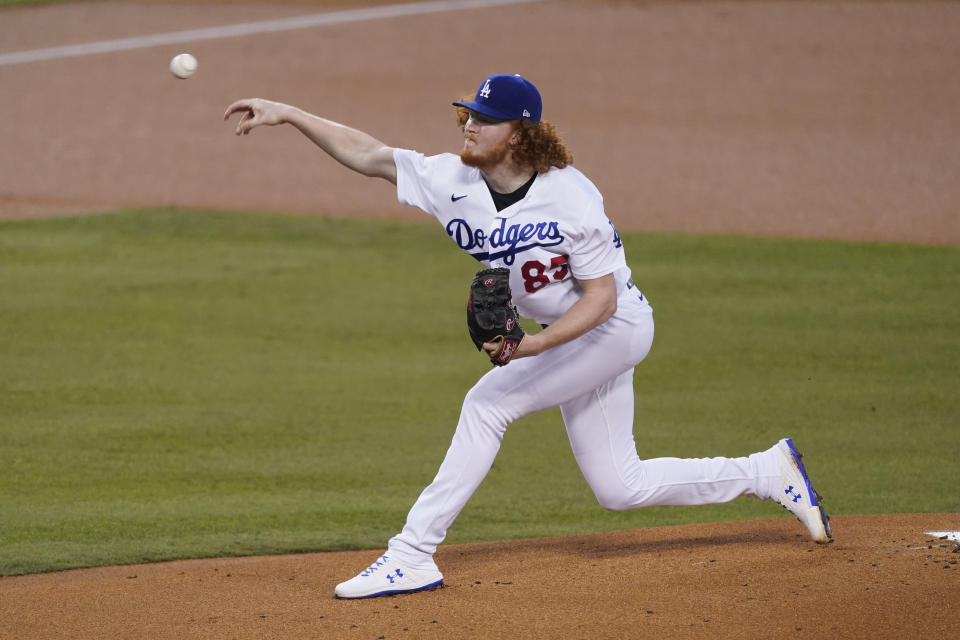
<point x="512" y="200"/>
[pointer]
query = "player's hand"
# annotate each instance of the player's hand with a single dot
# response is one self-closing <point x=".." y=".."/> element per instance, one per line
<point x="529" y="346"/>
<point x="255" y="112"/>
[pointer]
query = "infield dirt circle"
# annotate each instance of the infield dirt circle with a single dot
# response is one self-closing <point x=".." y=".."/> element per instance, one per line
<point x="819" y="119"/>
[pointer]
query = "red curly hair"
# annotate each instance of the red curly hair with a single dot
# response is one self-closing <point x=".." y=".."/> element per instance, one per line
<point x="540" y="146"/>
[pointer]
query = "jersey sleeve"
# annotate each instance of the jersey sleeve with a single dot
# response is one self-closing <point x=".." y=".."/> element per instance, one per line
<point x="597" y="249"/>
<point x="413" y="171"/>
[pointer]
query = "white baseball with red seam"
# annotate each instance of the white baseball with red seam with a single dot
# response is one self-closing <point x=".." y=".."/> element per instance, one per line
<point x="183" y="65"/>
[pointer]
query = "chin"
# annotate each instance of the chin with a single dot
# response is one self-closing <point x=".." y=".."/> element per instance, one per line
<point x="471" y="159"/>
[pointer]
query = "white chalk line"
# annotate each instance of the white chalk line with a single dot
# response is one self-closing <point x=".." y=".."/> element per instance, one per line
<point x="249" y="28"/>
<point x="945" y="535"/>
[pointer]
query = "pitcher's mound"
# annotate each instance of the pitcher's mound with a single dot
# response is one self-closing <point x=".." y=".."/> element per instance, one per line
<point x="882" y="577"/>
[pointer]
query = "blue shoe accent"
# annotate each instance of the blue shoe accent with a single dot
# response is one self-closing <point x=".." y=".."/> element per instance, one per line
<point x="396" y="592"/>
<point x="798" y="458"/>
<point x="812" y="495"/>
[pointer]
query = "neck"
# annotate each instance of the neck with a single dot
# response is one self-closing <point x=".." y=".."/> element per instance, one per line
<point x="507" y="176"/>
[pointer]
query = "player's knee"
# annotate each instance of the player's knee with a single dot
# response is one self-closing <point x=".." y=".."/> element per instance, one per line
<point x="481" y="414"/>
<point x="614" y="500"/>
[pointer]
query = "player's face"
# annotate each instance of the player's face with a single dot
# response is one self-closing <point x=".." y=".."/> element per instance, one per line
<point x="486" y="142"/>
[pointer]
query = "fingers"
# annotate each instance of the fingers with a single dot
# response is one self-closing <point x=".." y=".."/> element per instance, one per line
<point x="242" y="126"/>
<point x="239" y="105"/>
<point x="491" y="348"/>
<point x="247" y="111"/>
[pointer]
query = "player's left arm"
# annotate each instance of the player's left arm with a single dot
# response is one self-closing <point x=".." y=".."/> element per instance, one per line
<point x="598" y="303"/>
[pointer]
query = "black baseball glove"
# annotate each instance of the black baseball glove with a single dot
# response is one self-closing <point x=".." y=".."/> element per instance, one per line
<point x="491" y="316"/>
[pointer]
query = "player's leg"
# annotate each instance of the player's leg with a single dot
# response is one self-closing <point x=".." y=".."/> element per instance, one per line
<point x="502" y="396"/>
<point x="600" y="427"/>
<point x="599" y="424"/>
<point x="486" y="412"/>
<point x="597" y="362"/>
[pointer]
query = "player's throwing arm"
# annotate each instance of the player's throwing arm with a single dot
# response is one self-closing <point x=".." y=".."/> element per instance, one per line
<point x="352" y="148"/>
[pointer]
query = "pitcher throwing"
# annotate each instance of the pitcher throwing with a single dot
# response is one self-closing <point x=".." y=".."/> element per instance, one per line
<point x="512" y="199"/>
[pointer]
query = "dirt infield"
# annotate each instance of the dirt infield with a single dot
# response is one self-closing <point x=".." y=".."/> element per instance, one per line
<point x="814" y="119"/>
<point x="882" y="578"/>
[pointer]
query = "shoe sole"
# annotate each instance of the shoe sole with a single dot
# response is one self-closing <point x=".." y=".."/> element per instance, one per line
<point x="815" y="497"/>
<point x="392" y="592"/>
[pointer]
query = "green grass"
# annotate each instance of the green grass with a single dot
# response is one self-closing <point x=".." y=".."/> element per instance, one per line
<point x="180" y="384"/>
<point x="15" y="3"/>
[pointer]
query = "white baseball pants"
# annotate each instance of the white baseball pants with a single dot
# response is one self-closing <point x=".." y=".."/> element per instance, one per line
<point x="591" y="380"/>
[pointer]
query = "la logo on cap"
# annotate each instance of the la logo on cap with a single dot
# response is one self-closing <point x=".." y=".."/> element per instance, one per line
<point x="485" y="91"/>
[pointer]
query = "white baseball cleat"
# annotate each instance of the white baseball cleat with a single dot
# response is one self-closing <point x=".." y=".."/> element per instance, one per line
<point x="797" y="495"/>
<point x="388" y="577"/>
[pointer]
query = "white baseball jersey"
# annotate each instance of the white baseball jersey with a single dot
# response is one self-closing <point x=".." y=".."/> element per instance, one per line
<point x="557" y="230"/>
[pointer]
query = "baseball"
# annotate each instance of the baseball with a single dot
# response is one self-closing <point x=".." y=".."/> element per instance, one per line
<point x="183" y="65"/>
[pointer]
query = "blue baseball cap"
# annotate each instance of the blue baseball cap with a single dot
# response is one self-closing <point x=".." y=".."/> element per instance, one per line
<point x="506" y="97"/>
